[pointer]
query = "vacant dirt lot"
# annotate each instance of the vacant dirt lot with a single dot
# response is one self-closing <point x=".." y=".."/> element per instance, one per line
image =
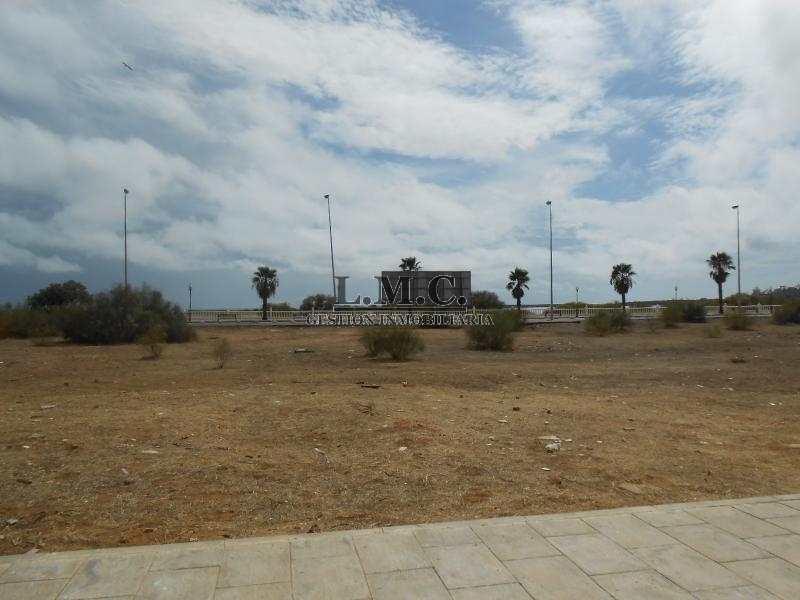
<point x="101" y="447"/>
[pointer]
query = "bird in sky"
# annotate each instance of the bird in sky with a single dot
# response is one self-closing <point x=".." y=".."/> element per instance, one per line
<point x="127" y="65"/>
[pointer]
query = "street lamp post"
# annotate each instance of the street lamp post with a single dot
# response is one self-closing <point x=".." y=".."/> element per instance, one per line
<point x="190" y="303"/>
<point x="550" y="206"/>
<point x="125" y="231"/>
<point x="738" y="259"/>
<point x="676" y="293"/>
<point x="576" y="301"/>
<point x="330" y="232"/>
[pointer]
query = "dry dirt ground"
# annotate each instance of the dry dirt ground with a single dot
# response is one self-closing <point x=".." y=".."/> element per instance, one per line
<point x="101" y="447"/>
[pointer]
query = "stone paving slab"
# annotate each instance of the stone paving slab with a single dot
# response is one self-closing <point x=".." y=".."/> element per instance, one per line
<point x="733" y="549"/>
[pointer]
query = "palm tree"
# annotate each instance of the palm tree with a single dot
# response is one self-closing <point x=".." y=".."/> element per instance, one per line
<point x="409" y="264"/>
<point x="622" y="279"/>
<point x="721" y="265"/>
<point x="517" y="280"/>
<point x="265" y="280"/>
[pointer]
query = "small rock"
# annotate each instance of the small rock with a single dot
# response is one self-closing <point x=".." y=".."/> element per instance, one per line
<point x="553" y="447"/>
<point x="402" y="448"/>
<point x="502" y="420"/>
<point x="545" y="468"/>
<point x="299" y="350"/>
<point x="124" y="471"/>
<point x="12" y="521"/>
<point x="47" y="406"/>
<point x="631" y="487"/>
<point x="629" y="429"/>
<point x="549" y="438"/>
<point x="149" y="451"/>
<point x="373" y="386"/>
<point x="36" y="436"/>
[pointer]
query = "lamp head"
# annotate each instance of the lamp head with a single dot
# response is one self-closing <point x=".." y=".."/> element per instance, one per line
<point x="125" y="190"/>
<point x="735" y="207"/>
<point x="327" y="196"/>
<point x="548" y="203"/>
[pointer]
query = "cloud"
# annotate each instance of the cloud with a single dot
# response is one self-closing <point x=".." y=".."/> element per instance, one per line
<point x="239" y="116"/>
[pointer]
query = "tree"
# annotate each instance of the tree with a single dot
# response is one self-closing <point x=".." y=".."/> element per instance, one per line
<point x="58" y="295"/>
<point x="318" y="302"/>
<point x="486" y="299"/>
<point x="409" y="264"/>
<point x="265" y="280"/>
<point x="518" y="282"/>
<point x="622" y="279"/>
<point x="721" y="265"/>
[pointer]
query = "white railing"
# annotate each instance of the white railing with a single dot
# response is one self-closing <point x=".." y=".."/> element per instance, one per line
<point x="535" y="313"/>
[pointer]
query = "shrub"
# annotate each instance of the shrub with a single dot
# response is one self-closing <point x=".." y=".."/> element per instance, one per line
<point x="23" y="322"/>
<point x="42" y="324"/>
<point x="497" y="336"/>
<point x="603" y="323"/>
<point x="221" y="352"/>
<point x="671" y="315"/>
<point x="694" y="311"/>
<point x="121" y="316"/>
<point x="318" y="302"/>
<point x="737" y="321"/>
<point x="787" y="313"/>
<point x="599" y="324"/>
<point x="485" y="299"/>
<point x="57" y="295"/>
<point x="620" y="321"/>
<point x="398" y="342"/>
<point x="153" y="339"/>
<point x="714" y="331"/>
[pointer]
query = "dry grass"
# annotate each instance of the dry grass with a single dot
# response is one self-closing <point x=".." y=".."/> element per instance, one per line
<point x="138" y="452"/>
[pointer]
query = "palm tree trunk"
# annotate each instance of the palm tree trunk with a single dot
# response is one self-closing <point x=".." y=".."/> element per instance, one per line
<point x="623" y="302"/>
<point x="719" y="288"/>
<point x="263" y="309"/>
<point x="519" y="303"/>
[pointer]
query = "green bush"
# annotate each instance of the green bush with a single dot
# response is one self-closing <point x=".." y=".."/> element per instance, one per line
<point x="486" y="300"/>
<point x="121" y="316"/>
<point x="603" y="323"/>
<point x="620" y="321"/>
<point x="153" y="339"/>
<point x="787" y="313"/>
<point x="694" y="311"/>
<point x="497" y="336"/>
<point x="222" y="352"/>
<point x="737" y="321"/>
<point x="671" y="315"/>
<point x="398" y="342"/>
<point x="714" y="331"/>
<point x="598" y="324"/>
<point x="23" y="322"/>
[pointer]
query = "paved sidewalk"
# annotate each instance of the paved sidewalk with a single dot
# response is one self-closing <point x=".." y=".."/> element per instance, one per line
<point x="716" y="550"/>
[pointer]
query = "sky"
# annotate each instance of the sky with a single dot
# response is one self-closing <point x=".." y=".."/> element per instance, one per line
<point x="439" y="128"/>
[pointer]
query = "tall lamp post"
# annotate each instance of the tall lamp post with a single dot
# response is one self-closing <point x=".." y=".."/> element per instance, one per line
<point x="576" y="301"/>
<point x="330" y="232"/>
<point x="190" y="303"/>
<point x="676" y="293"/>
<point x="738" y="259"/>
<point x="550" y="206"/>
<point x="125" y="230"/>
